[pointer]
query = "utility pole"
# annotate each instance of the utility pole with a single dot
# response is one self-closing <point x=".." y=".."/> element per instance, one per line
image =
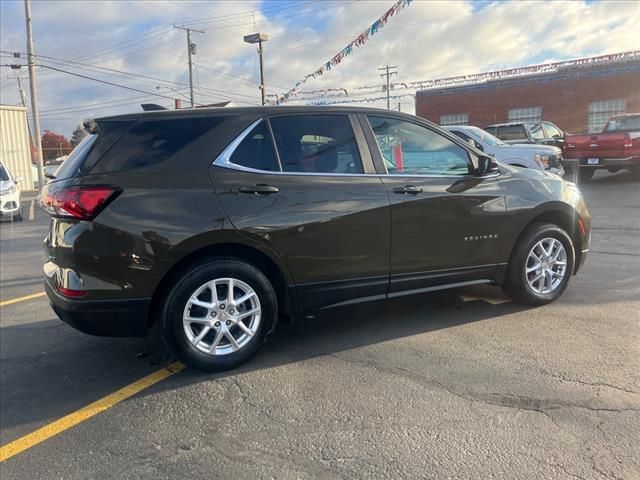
<point x="191" y="50"/>
<point x="387" y="69"/>
<point x="34" y="94"/>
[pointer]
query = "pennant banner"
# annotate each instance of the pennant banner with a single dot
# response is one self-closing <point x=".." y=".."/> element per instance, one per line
<point x="359" y="41"/>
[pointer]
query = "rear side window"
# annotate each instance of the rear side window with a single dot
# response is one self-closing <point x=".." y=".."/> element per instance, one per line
<point x="256" y="150"/>
<point x="316" y="144"/>
<point x="74" y="161"/>
<point x="511" y="132"/>
<point x="151" y="141"/>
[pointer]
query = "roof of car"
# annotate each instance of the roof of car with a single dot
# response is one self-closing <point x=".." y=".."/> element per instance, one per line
<point x="625" y="115"/>
<point x="507" y="124"/>
<point x="262" y="111"/>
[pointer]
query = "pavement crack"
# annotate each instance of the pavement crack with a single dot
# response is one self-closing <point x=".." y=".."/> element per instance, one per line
<point x="591" y="384"/>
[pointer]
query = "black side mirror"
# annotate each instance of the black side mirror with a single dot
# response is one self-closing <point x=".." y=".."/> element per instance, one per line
<point x="487" y="165"/>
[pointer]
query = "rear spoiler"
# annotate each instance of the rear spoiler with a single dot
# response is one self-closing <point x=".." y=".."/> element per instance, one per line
<point x="148" y="107"/>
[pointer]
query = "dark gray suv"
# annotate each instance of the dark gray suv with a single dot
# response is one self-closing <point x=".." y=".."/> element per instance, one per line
<point x="212" y="223"/>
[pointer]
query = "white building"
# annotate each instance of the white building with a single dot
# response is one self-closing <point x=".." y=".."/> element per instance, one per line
<point x="15" y="153"/>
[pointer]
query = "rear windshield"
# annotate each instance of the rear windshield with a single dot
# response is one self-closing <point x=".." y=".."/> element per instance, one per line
<point x="511" y="132"/>
<point x="625" y="124"/>
<point x="73" y="162"/>
<point x="151" y="141"/>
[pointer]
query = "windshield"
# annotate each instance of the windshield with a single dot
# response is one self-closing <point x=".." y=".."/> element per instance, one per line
<point x="623" y="124"/>
<point x="485" y="137"/>
<point x="4" y="175"/>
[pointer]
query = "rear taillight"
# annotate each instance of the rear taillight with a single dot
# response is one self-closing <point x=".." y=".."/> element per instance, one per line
<point x="70" y="292"/>
<point x="83" y="203"/>
<point x="628" y="143"/>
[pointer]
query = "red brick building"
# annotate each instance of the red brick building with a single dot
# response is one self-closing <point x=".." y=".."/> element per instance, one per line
<point x="579" y="98"/>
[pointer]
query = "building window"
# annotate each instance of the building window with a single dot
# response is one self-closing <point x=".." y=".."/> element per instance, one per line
<point x="527" y="115"/>
<point x="600" y="112"/>
<point x="454" y="119"/>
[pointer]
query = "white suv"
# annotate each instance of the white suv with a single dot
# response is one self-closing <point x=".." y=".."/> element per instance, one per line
<point x="10" y="204"/>
<point x="527" y="155"/>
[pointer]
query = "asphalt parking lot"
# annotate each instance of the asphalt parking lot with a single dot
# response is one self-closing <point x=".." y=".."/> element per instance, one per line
<point x="456" y="385"/>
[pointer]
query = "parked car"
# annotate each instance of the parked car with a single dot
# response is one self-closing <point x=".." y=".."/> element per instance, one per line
<point x="545" y="133"/>
<point x="617" y="147"/>
<point x="541" y="157"/>
<point x="10" y="193"/>
<point x="212" y="223"/>
<point x="51" y="168"/>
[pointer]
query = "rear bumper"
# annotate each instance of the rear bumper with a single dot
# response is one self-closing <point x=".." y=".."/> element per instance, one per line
<point x="610" y="162"/>
<point x="106" y="318"/>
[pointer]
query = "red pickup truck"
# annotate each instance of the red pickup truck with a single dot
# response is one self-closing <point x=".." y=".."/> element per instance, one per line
<point x="617" y="147"/>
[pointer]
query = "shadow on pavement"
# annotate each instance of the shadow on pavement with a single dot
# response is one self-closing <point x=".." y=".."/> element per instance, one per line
<point x="49" y="370"/>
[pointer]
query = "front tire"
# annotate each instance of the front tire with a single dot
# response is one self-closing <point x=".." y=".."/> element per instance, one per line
<point x="541" y="265"/>
<point x="216" y="315"/>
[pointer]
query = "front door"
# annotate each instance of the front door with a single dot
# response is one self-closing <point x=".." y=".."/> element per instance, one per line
<point x="447" y="224"/>
<point x="305" y="187"/>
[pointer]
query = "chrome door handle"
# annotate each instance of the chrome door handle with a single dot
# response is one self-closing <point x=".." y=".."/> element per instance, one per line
<point x="259" y="189"/>
<point x="407" y="190"/>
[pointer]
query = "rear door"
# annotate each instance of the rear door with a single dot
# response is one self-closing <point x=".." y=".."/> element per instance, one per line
<point x="447" y="224"/>
<point x="305" y="187"/>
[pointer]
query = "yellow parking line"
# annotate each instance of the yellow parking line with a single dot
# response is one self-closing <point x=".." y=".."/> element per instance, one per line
<point x="79" y="416"/>
<point x="22" y="299"/>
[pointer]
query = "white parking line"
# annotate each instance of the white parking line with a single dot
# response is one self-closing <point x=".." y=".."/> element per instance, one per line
<point x="32" y="210"/>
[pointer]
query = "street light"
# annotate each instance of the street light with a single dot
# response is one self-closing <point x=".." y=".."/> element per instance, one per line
<point x="258" y="38"/>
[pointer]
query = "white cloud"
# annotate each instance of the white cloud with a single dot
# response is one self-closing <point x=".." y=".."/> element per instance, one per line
<point x="426" y="40"/>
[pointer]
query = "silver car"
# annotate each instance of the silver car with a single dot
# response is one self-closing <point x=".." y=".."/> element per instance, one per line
<point x="527" y="155"/>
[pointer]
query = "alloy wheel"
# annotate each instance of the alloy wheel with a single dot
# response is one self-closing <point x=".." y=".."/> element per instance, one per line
<point x="546" y="265"/>
<point x="222" y="316"/>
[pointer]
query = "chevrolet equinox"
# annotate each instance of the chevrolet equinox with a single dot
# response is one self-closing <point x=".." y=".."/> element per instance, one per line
<point x="212" y="223"/>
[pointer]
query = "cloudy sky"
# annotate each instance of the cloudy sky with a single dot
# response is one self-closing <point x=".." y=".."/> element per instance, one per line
<point x="427" y="40"/>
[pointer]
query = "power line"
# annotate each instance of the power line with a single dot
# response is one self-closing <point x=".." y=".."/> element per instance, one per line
<point x="91" y="67"/>
<point x="96" y="80"/>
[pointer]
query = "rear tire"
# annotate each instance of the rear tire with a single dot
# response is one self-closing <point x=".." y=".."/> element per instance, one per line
<point x="585" y="174"/>
<point x="541" y="265"/>
<point x="202" y="330"/>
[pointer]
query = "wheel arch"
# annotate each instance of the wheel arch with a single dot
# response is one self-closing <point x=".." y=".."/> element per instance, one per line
<point x="559" y="214"/>
<point x="271" y="268"/>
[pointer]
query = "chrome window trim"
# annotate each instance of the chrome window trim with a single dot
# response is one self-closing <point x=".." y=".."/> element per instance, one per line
<point x="224" y="160"/>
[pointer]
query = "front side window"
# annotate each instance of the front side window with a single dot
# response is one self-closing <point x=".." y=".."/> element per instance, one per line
<point x="256" y="150"/>
<point x="410" y="149"/>
<point x="316" y="144"/>
<point x="552" y="131"/>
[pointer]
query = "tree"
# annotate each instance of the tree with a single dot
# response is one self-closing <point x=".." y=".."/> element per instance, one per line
<point x="54" y="145"/>
<point x="78" y="134"/>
